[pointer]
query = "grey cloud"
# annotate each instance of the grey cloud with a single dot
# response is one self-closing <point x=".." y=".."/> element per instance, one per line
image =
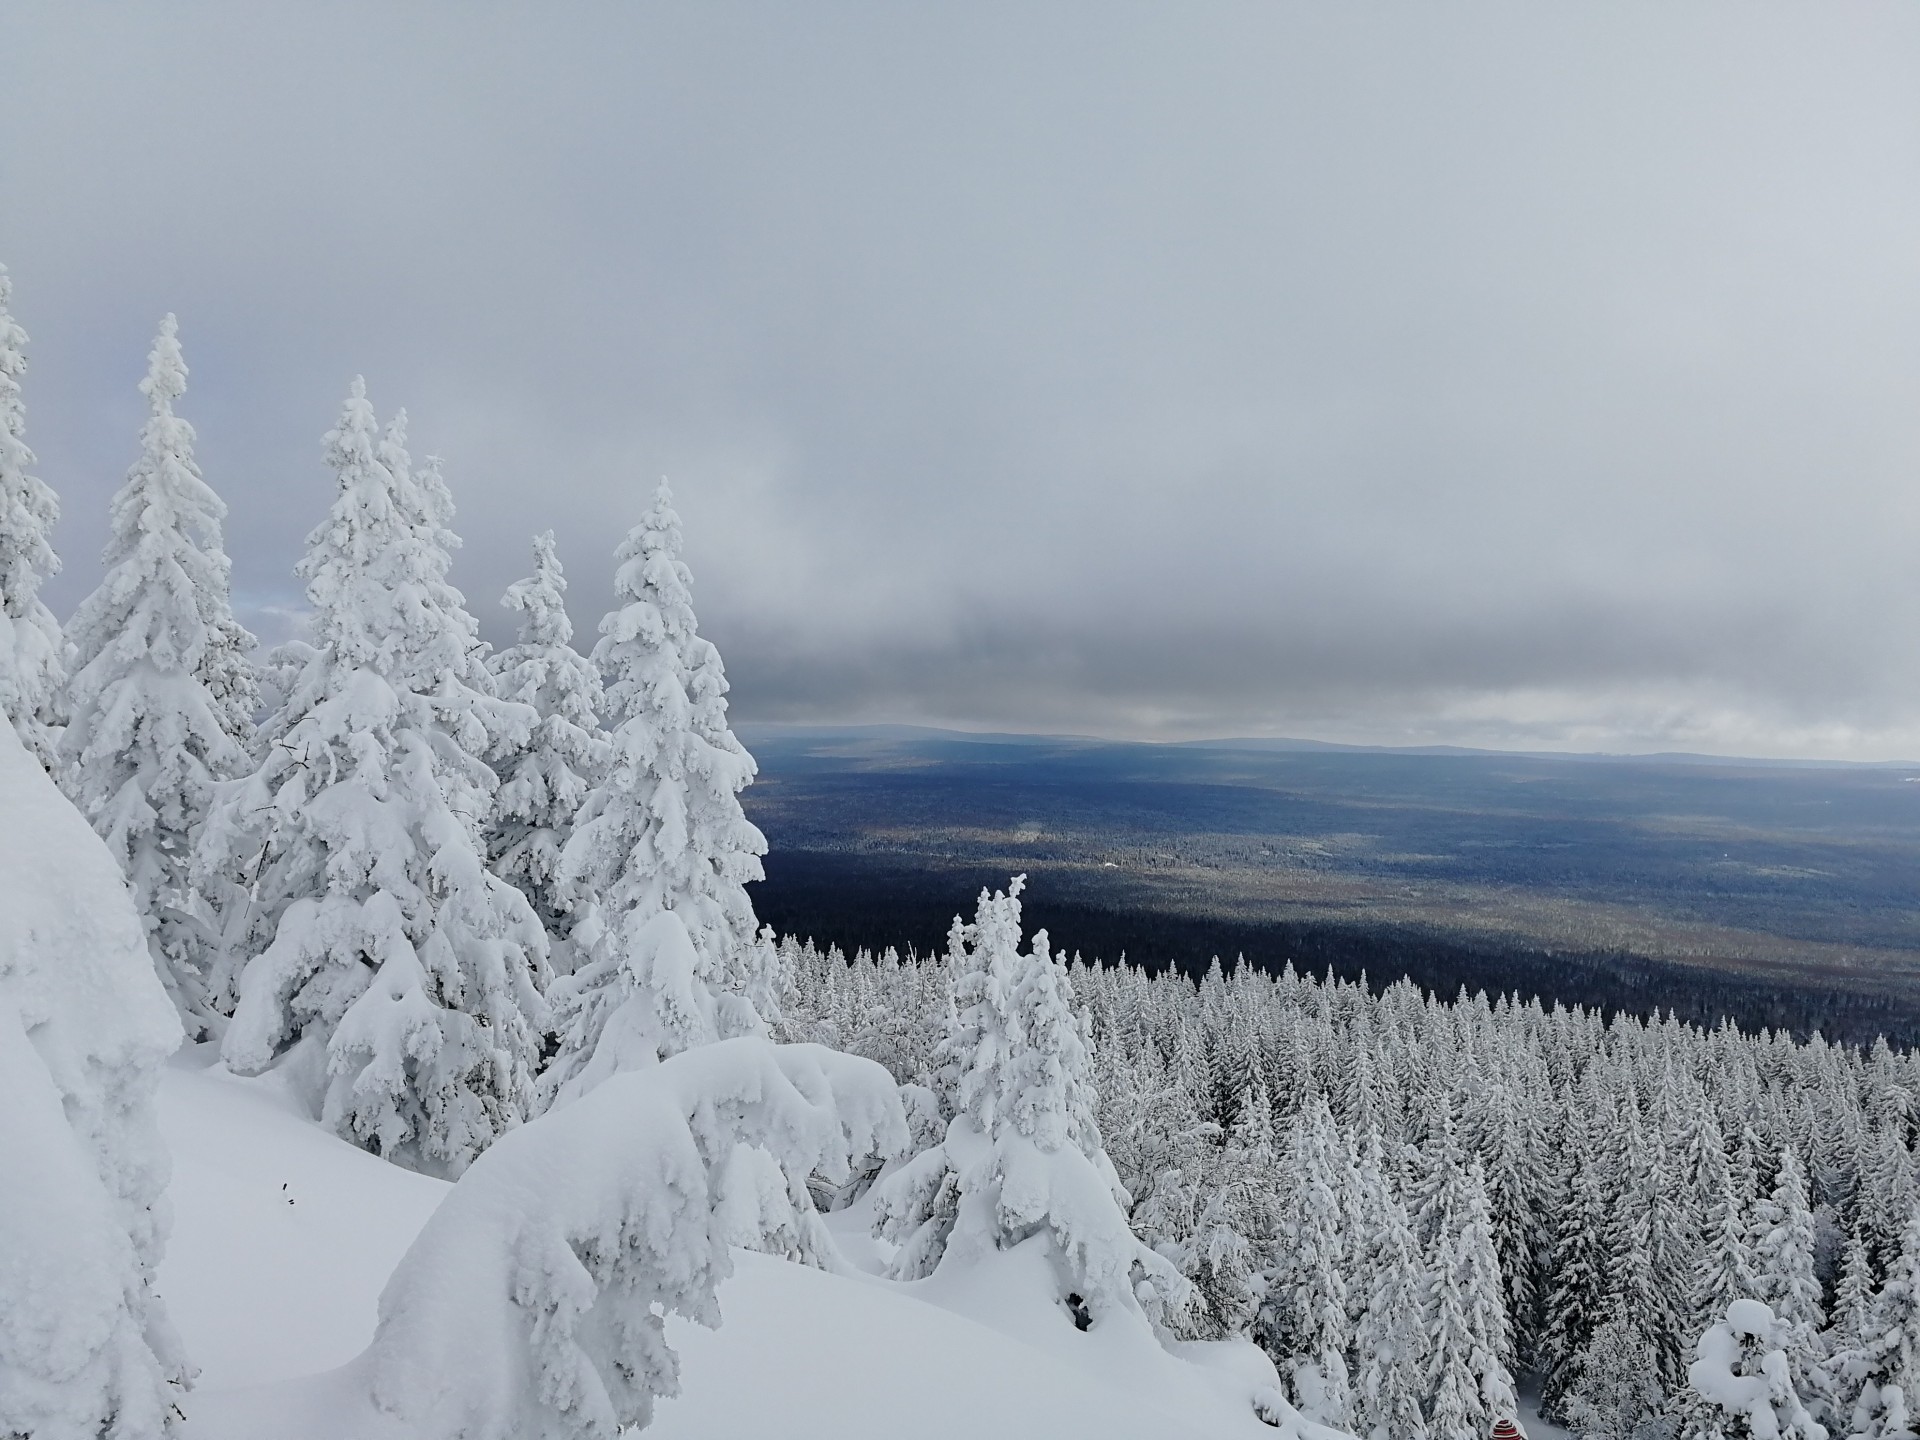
<point x="1492" y="373"/>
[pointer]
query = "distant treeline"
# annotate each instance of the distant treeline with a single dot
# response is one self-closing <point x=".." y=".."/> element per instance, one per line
<point x="872" y="902"/>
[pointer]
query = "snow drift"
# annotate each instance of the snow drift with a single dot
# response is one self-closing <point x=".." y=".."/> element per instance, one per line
<point x="85" y="1028"/>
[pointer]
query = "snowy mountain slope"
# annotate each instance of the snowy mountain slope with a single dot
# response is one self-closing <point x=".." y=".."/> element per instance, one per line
<point x="274" y="1290"/>
<point x="266" y="1283"/>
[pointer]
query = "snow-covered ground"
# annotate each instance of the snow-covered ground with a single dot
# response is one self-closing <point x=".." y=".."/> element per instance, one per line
<point x="1538" y="1428"/>
<point x="284" y="1235"/>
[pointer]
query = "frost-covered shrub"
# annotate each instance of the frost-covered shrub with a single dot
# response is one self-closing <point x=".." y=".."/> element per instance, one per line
<point x="85" y="1347"/>
<point x="531" y="1306"/>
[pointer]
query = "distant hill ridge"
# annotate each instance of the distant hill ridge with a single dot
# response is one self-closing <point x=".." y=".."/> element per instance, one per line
<point x="778" y="730"/>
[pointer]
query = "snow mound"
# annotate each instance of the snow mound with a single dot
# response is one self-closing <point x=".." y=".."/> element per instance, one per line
<point x="84" y="1030"/>
<point x="267" y="1291"/>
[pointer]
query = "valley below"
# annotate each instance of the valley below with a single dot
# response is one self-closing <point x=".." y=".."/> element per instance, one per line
<point x="1775" y="895"/>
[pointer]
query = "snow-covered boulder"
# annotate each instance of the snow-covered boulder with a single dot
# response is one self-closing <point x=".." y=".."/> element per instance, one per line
<point x="85" y="1347"/>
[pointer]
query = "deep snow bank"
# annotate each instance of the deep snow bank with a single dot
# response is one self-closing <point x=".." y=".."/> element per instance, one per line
<point x="269" y="1291"/>
<point x="84" y="1030"/>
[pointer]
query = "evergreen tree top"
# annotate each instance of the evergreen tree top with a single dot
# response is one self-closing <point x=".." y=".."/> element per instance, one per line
<point x="541" y="597"/>
<point x="166" y="366"/>
<point x="28" y="508"/>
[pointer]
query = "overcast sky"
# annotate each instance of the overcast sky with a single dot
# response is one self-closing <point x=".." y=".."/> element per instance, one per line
<point x="1540" y="375"/>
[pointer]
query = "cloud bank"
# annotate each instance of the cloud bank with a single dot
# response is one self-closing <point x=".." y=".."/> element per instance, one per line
<point x="1492" y="374"/>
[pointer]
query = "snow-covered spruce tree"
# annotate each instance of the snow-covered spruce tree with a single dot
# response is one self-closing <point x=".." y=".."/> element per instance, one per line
<point x="545" y="779"/>
<point x="1307" y="1323"/>
<point x="1577" y="1283"/>
<point x="534" y="1302"/>
<point x="1743" y="1372"/>
<point x="1484" y="1297"/>
<point x="1851" y="1315"/>
<point x="1646" y="1281"/>
<point x="1390" y="1337"/>
<point x="1234" y="1237"/>
<point x="1022" y="1157"/>
<point x="85" y="1347"/>
<point x="1783" y="1261"/>
<point x="1874" y="1379"/>
<point x="1514" y="1196"/>
<point x="161" y="700"/>
<point x="32" y="669"/>
<point x="667" y="951"/>
<point x="1723" y="1265"/>
<point x="1455" y="1410"/>
<point x="1614" y="1391"/>
<point x="390" y="971"/>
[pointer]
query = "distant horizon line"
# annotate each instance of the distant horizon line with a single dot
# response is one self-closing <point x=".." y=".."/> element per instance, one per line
<point x="1285" y="744"/>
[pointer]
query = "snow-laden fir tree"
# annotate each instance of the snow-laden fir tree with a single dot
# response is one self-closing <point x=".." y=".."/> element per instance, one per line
<point x="1577" y="1282"/>
<point x="1308" y="1320"/>
<point x="545" y="779"/>
<point x="1851" y="1315"/>
<point x="1887" y="1195"/>
<point x="161" y="700"/>
<point x="1466" y="1311"/>
<point x="1022" y="1158"/>
<point x="1506" y="1142"/>
<point x="1390" y="1336"/>
<point x="1742" y="1371"/>
<point x="1236" y="1228"/>
<point x="666" y="946"/>
<point x="386" y="967"/>
<point x="1783" y="1267"/>
<point x="1222" y="1263"/>
<point x="1614" y="1392"/>
<point x="32" y="668"/>
<point x="1722" y="1269"/>
<point x="1873" y="1379"/>
<point x="1484" y="1297"/>
<point x="1645" y="1286"/>
<point x="1455" y="1410"/>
